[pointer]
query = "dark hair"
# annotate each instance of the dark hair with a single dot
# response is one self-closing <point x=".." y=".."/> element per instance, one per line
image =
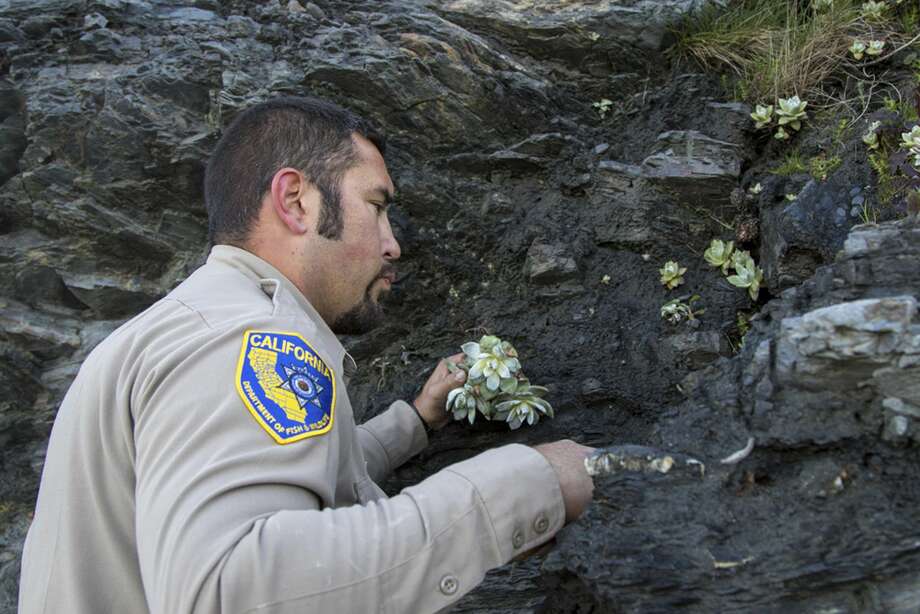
<point x="311" y="135"/>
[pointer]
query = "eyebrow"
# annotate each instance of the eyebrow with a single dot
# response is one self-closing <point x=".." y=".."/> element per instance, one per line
<point x="388" y="197"/>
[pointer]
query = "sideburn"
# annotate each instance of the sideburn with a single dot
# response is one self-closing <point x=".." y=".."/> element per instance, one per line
<point x="330" y="224"/>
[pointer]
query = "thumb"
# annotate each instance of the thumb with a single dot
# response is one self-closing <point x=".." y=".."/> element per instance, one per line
<point x="447" y="383"/>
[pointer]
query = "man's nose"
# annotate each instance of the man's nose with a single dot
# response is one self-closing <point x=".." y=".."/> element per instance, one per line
<point x="391" y="249"/>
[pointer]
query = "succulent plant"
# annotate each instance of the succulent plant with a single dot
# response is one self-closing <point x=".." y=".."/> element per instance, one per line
<point x="762" y="115"/>
<point x="781" y="134"/>
<point x="672" y="274"/>
<point x="525" y="405"/>
<point x="857" y="49"/>
<point x="791" y="112"/>
<point x="495" y="386"/>
<point x="720" y="254"/>
<point x="755" y="189"/>
<point x="873" y="10"/>
<point x="911" y="142"/>
<point x="747" y="274"/>
<point x="870" y="138"/>
<point x="603" y="106"/>
<point x="875" y="48"/>
<point x="676" y="310"/>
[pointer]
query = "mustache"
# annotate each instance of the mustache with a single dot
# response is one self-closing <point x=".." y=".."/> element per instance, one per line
<point x="388" y="270"/>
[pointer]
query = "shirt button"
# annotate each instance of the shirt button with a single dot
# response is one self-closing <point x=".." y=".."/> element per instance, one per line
<point x="517" y="538"/>
<point x="449" y="584"/>
<point x="541" y="524"/>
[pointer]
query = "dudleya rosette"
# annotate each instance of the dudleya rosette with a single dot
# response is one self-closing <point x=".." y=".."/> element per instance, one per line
<point x="495" y="386"/>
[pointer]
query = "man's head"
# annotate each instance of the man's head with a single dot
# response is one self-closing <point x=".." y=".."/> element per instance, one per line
<point x="302" y="183"/>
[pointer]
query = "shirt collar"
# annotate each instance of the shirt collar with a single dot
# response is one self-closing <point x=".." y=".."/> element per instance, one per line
<point x="264" y="273"/>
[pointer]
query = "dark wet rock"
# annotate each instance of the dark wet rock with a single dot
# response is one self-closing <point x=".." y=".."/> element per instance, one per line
<point x="520" y="212"/>
<point x="802" y="234"/>
<point x="37" y="26"/>
<point x="695" y="349"/>
<point x="586" y="35"/>
<point x="825" y="388"/>
<point x="9" y="32"/>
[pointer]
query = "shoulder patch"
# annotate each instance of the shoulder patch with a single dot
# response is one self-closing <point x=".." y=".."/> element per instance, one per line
<point x="286" y="386"/>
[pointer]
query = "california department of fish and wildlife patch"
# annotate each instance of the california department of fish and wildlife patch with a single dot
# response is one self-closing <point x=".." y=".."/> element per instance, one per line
<point x="286" y="386"/>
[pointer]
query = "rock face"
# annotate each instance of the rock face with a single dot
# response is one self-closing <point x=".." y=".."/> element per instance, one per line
<point x="826" y="390"/>
<point x="522" y="212"/>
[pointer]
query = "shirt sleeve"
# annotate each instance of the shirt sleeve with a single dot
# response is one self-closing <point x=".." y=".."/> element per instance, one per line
<point x="391" y="438"/>
<point x="229" y="521"/>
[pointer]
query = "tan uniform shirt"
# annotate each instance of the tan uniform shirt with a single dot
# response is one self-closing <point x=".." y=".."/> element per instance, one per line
<point x="165" y="491"/>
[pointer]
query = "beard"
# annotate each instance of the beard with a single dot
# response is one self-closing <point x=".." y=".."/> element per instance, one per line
<point x="362" y="318"/>
<point x="366" y="315"/>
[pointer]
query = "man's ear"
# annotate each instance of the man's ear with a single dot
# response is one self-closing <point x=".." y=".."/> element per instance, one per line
<point x="295" y="201"/>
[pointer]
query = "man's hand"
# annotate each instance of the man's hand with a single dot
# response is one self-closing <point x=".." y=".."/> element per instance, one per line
<point x="432" y="400"/>
<point x="568" y="459"/>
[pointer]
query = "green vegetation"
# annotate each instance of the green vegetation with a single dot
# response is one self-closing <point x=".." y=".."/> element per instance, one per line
<point x="792" y="164"/>
<point x="778" y="48"/>
<point x="821" y="166"/>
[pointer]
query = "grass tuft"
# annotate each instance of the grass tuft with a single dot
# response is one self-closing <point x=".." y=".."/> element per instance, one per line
<point x="777" y="48"/>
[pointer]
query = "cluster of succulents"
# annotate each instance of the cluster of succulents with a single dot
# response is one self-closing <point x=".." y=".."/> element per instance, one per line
<point x="747" y="274"/>
<point x="496" y="386"/>
<point x="860" y="48"/>
<point x="789" y="114"/>
<point x="677" y="310"/>
<point x="672" y="274"/>
<point x="911" y="142"/>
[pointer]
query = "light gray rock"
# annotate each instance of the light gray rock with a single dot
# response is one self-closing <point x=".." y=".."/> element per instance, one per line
<point x="549" y="263"/>
<point x="700" y="170"/>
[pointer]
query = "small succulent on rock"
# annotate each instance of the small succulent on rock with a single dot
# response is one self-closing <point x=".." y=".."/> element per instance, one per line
<point x="791" y="111"/>
<point x="747" y="274"/>
<point x="781" y="134"/>
<point x="911" y="142"/>
<point x="873" y="10"/>
<point x="676" y="310"/>
<point x="495" y="386"/>
<point x="755" y="189"/>
<point x="875" y="48"/>
<point x="762" y="115"/>
<point x="672" y="274"/>
<point x="719" y="254"/>
<point x="857" y="49"/>
<point x="603" y="106"/>
<point x="870" y="138"/>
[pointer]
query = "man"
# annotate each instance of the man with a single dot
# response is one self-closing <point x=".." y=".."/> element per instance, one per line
<point x="206" y="457"/>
